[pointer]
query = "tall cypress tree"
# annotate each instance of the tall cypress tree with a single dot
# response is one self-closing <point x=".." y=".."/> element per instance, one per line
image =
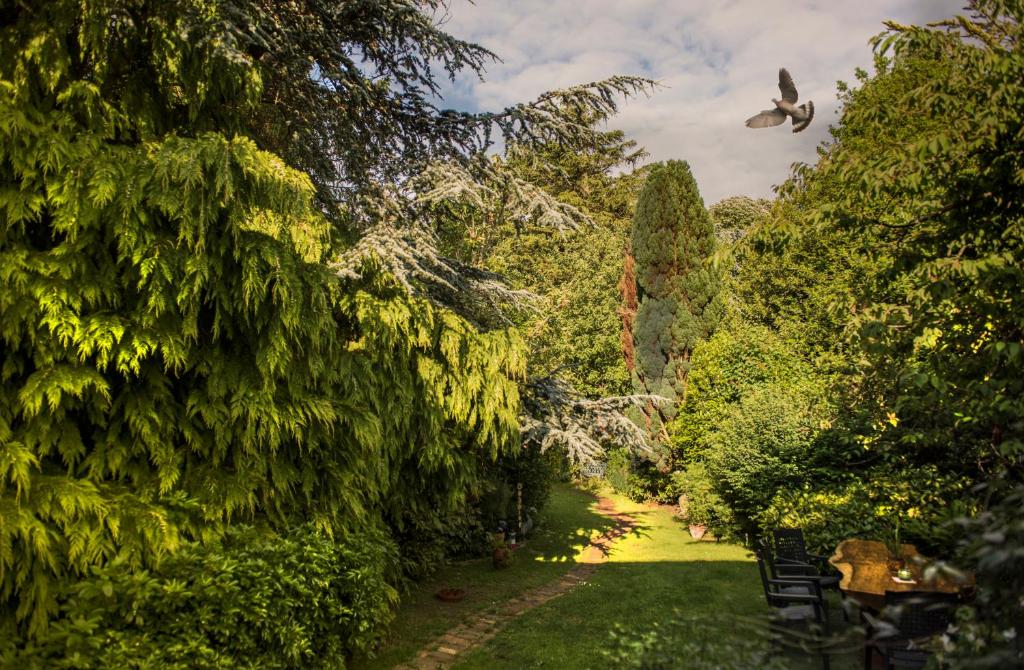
<point x="678" y="302"/>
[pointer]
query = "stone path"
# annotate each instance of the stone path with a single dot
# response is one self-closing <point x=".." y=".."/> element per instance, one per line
<point x="445" y="650"/>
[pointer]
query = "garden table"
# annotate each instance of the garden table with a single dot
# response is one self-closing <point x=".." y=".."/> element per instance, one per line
<point x="866" y="577"/>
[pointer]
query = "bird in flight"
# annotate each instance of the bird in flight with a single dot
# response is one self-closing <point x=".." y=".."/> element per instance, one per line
<point x="801" y="115"/>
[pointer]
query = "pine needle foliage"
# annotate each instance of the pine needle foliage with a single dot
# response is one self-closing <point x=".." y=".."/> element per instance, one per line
<point x="678" y="302"/>
<point x="177" y="357"/>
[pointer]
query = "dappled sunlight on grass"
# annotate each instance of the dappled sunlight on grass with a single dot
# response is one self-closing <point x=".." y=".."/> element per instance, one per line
<point x="654" y="574"/>
<point x="564" y="529"/>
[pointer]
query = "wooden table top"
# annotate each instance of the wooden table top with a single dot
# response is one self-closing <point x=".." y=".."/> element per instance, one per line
<point x="864" y="565"/>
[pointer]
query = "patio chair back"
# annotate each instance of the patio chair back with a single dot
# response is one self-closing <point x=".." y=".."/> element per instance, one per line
<point x="789" y="544"/>
<point x="919" y="614"/>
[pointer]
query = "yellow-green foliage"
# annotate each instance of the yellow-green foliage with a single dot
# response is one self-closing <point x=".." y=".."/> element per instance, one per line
<point x="923" y="502"/>
<point x="176" y="357"/>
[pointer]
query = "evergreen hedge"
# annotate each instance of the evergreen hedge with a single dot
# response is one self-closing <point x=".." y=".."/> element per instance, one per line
<point x="177" y="357"/>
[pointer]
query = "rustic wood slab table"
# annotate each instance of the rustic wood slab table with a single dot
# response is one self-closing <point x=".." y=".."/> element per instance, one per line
<point x="866" y="577"/>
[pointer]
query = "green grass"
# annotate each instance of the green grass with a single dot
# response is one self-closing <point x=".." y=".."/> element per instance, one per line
<point x="654" y="574"/>
<point x="564" y="528"/>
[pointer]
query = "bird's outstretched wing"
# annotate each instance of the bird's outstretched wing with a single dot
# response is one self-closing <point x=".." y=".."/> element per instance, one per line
<point x="767" y="119"/>
<point x="808" y="110"/>
<point x="787" y="86"/>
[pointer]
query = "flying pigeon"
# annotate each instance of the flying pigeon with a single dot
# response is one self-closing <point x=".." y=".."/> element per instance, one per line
<point x="802" y="115"/>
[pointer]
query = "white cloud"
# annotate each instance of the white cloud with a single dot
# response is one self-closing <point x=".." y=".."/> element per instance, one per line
<point x="718" y="60"/>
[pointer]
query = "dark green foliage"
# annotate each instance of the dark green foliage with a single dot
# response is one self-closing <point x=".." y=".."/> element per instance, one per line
<point x="992" y="626"/>
<point x="917" y="200"/>
<point x="259" y="600"/>
<point x="703" y="505"/>
<point x="176" y="357"/>
<point x="634" y="476"/>
<point x="945" y="352"/>
<point x="677" y="290"/>
<point x="617" y="469"/>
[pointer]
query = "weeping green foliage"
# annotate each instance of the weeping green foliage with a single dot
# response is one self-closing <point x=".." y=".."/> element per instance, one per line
<point x="678" y="291"/>
<point x="176" y="357"/>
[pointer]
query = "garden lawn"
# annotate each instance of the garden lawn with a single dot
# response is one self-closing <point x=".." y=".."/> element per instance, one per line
<point x="565" y="526"/>
<point x="651" y="576"/>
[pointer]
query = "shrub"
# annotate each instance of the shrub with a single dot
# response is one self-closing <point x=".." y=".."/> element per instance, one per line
<point x="925" y="501"/>
<point x="635" y="477"/>
<point x="703" y="505"/>
<point x="739" y="358"/>
<point x="765" y="443"/>
<point x="427" y="538"/>
<point x="617" y="469"/>
<point x="258" y="600"/>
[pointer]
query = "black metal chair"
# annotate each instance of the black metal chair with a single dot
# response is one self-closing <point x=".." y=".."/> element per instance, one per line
<point x="792" y="560"/>
<point x="790" y="546"/>
<point x="792" y="557"/>
<point x="797" y="600"/>
<point x="909" y="619"/>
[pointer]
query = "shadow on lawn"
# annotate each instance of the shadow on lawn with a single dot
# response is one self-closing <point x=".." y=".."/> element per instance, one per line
<point x="561" y="542"/>
<point x="692" y="614"/>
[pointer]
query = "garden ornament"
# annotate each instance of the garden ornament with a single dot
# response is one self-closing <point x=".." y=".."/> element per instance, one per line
<point x="801" y="115"/>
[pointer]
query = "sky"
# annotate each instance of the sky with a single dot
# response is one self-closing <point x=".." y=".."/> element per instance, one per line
<point x="717" y="62"/>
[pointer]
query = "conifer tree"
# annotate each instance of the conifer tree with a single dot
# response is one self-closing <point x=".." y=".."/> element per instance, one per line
<point x="195" y="326"/>
<point x="677" y="295"/>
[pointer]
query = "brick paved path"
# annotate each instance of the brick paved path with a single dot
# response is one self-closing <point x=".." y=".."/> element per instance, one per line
<point x="443" y="652"/>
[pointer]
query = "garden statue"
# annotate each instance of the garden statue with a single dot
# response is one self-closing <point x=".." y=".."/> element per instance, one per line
<point x="801" y="115"/>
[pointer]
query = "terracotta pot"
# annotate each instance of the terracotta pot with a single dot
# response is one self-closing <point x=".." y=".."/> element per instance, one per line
<point x="450" y="595"/>
<point x="501" y="557"/>
<point x="697" y="531"/>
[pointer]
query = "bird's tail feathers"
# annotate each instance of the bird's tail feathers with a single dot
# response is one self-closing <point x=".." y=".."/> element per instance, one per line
<point x="808" y="109"/>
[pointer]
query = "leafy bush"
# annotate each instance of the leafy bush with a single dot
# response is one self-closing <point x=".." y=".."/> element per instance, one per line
<point x="617" y="469"/>
<point x="924" y="501"/>
<point x="765" y="444"/>
<point x="258" y="600"/>
<point x="703" y="505"/>
<point x="739" y="358"/>
<point x="427" y="538"/>
<point x="634" y="477"/>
